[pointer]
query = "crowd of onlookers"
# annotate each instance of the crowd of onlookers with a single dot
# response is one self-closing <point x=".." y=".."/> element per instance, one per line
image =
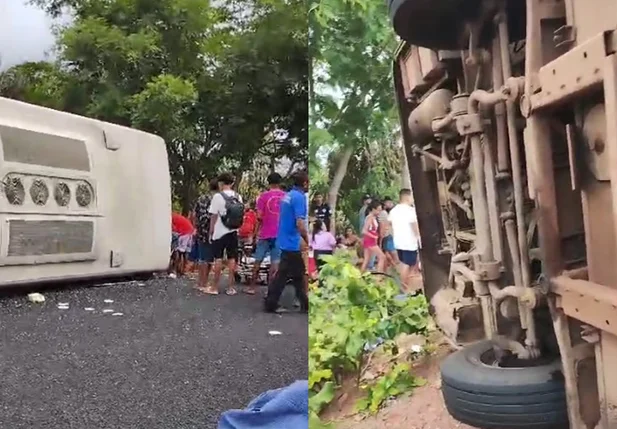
<point x="221" y="227"/>
<point x="222" y="230"/>
<point x="388" y="238"/>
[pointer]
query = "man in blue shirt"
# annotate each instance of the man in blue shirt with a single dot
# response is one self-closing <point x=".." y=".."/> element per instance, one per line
<point x="292" y="230"/>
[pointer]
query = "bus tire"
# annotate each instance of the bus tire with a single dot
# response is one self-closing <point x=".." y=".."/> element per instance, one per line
<point x="492" y="397"/>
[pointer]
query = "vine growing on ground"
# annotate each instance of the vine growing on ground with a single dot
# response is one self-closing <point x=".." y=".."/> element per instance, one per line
<point x="350" y="312"/>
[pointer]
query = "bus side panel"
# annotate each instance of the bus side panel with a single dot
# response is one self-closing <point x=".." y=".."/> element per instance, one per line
<point x="81" y="198"/>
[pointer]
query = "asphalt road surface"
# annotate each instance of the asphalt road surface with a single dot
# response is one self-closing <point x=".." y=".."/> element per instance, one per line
<point x="173" y="359"/>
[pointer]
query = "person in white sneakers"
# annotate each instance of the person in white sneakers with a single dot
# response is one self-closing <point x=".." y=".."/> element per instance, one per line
<point x="227" y="215"/>
<point x="406" y="236"/>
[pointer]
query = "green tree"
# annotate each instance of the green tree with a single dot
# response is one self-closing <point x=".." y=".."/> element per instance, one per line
<point x="220" y="86"/>
<point x="41" y="83"/>
<point x="352" y="103"/>
<point x="267" y="75"/>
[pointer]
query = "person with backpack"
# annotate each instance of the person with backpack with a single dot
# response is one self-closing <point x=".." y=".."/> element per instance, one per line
<point x="227" y="215"/>
<point x="202" y="223"/>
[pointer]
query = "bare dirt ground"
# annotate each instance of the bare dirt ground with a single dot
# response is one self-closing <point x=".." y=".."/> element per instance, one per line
<point x="423" y="409"/>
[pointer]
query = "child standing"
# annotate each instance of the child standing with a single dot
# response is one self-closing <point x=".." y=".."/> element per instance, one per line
<point x="322" y="242"/>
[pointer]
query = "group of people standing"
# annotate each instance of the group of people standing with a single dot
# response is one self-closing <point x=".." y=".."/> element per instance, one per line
<point x="389" y="235"/>
<point x="279" y="230"/>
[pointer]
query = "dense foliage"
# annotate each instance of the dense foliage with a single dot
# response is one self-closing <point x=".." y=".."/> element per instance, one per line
<point x="225" y="83"/>
<point x="350" y="311"/>
<point x="375" y="170"/>
<point x="352" y="115"/>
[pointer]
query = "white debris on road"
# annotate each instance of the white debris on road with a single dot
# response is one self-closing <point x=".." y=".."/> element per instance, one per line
<point x="273" y="333"/>
<point x="36" y="298"/>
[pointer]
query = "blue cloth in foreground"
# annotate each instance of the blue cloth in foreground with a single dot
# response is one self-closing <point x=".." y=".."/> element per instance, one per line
<point x="285" y="408"/>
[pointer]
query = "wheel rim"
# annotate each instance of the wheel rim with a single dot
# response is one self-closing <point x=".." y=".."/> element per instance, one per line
<point x="497" y="358"/>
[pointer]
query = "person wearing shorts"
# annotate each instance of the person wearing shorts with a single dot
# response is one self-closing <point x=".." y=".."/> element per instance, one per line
<point x="204" y="257"/>
<point x="406" y="236"/>
<point x="292" y="238"/>
<point x="322" y="243"/>
<point x="366" y="200"/>
<point x="370" y="239"/>
<point x="408" y="257"/>
<point x="268" y="212"/>
<point x="224" y="240"/>
<point x="185" y="242"/>
<point x="174" y="241"/>
<point x="385" y="231"/>
<point x="184" y="231"/>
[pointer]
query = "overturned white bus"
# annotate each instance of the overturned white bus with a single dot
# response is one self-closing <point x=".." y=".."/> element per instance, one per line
<point x="80" y="199"/>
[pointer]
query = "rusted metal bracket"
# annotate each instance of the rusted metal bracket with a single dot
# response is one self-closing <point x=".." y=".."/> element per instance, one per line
<point x="443" y="162"/>
<point x="591" y="303"/>
<point x="590" y="334"/>
<point x="610" y="102"/>
<point x="573" y="72"/>
<point x="564" y="36"/>
<point x="571" y="139"/>
<point x="488" y="270"/>
<point x="469" y="124"/>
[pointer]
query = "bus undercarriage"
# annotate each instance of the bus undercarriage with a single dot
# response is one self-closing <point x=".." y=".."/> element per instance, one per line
<point x="509" y="118"/>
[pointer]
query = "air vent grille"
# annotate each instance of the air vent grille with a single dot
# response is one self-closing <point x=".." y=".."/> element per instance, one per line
<point x="62" y="194"/>
<point x="50" y="237"/>
<point x="84" y="195"/>
<point x="14" y="190"/>
<point x="39" y="192"/>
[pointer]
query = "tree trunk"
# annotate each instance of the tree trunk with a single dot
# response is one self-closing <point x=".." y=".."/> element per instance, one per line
<point x="187" y="195"/>
<point x="337" y="180"/>
<point x="239" y="175"/>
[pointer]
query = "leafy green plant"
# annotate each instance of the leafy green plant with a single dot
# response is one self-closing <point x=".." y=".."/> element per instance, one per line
<point x="394" y="383"/>
<point x="349" y="313"/>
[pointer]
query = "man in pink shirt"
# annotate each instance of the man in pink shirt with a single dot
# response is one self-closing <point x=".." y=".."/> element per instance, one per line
<point x="268" y="209"/>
